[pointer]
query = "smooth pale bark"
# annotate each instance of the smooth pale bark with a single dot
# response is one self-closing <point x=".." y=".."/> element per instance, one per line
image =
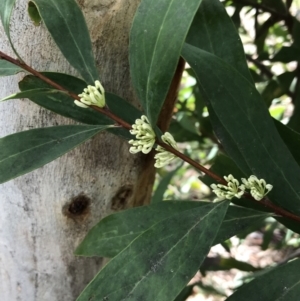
<point x="39" y="229"/>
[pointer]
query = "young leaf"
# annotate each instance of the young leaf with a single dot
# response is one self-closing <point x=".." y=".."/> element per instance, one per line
<point x="280" y="283"/>
<point x="65" y="22"/>
<point x="238" y="105"/>
<point x="7" y="68"/>
<point x="6" y="7"/>
<point x="115" y="232"/>
<point x="23" y="152"/>
<point x="161" y="261"/>
<point x="154" y="48"/>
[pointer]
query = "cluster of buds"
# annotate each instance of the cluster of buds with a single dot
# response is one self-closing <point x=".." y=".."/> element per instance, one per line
<point x="92" y="95"/>
<point x="258" y="188"/>
<point x="145" y="140"/>
<point x="144" y="134"/>
<point x="163" y="157"/>
<point x="232" y="189"/>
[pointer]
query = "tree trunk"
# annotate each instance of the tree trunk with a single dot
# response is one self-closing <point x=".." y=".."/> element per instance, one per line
<point x="45" y="214"/>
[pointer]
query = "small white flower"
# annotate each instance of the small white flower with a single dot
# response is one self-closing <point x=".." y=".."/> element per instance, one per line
<point x="92" y="95"/>
<point x="232" y="189"/>
<point x="258" y="188"/>
<point x="163" y="157"/>
<point x="144" y="134"/>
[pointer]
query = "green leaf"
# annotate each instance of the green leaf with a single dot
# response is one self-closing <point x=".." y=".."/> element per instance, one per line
<point x="65" y="22"/>
<point x="294" y="122"/>
<point x="280" y="283"/>
<point x="61" y="103"/>
<point x="290" y="138"/>
<point x="163" y="185"/>
<point x="115" y="232"/>
<point x="296" y="32"/>
<point x="277" y="87"/>
<point x="7" y="68"/>
<point x="289" y="223"/>
<point x="185" y="293"/>
<point x="287" y="54"/>
<point x="155" y="47"/>
<point x="64" y="104"/>
<point x="5" y="14"/>
<point x="34" y="92"/>
<point x="218" y="263"/>
<point x="213" y="31"/>
<point x="34" y="13"/>
<point x="211" y="28"/>
<point x="160" y="262"/>
<point x="277" y="5"/>
<point x="181" y="134"/>
<point x="238" y="105"/>
<point x="23" y="152"/>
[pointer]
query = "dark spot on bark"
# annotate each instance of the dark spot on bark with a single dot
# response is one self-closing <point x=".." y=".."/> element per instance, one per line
<point x="121" y="198"/>
<point x="78" y="208"/>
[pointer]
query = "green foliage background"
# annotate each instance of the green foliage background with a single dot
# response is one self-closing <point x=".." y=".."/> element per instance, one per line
<point x="243" y="58"/>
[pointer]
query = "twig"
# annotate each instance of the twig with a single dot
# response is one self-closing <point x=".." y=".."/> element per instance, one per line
<point x="265" y="202"/>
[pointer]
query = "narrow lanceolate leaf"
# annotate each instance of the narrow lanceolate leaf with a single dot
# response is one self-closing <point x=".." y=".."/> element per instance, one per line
<point x="6" y="8"/>
<point x="7" y="68"/>
<point x="155" y="48"/>
<point x="160" y="262"/>
<point x="115" y="232"/>
<point x="290" y="138"/>
<point x="213" y="31"/>
<point x="63" y="104"/>
<point x="279" y="284"/>
<point x="67" y="26"/>
<point x="34" y="92"/>
<point x="240" y="109"/>
<point x="211" y="28"/>
<point x="23" y="152"/>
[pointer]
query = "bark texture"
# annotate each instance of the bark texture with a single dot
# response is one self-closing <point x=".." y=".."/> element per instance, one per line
<point x="45" y="214"/>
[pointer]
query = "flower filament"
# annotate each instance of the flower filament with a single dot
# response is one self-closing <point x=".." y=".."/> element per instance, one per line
<point x="92" y="95"/>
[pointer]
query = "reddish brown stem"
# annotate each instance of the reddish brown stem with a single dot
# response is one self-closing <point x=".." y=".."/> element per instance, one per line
<point x="104" y="111"/>
<point x="265" y="202"/>
<point x="192" y="162"/>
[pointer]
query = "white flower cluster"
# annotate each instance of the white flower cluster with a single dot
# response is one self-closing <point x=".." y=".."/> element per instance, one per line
<point x="92" y="95"/>
<point x="232" y="189"/>
<point x="145" y="139"/>
<point x="258" y="188"/>
<point x="162" y="156"/>
<point x="144" y="134"/>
